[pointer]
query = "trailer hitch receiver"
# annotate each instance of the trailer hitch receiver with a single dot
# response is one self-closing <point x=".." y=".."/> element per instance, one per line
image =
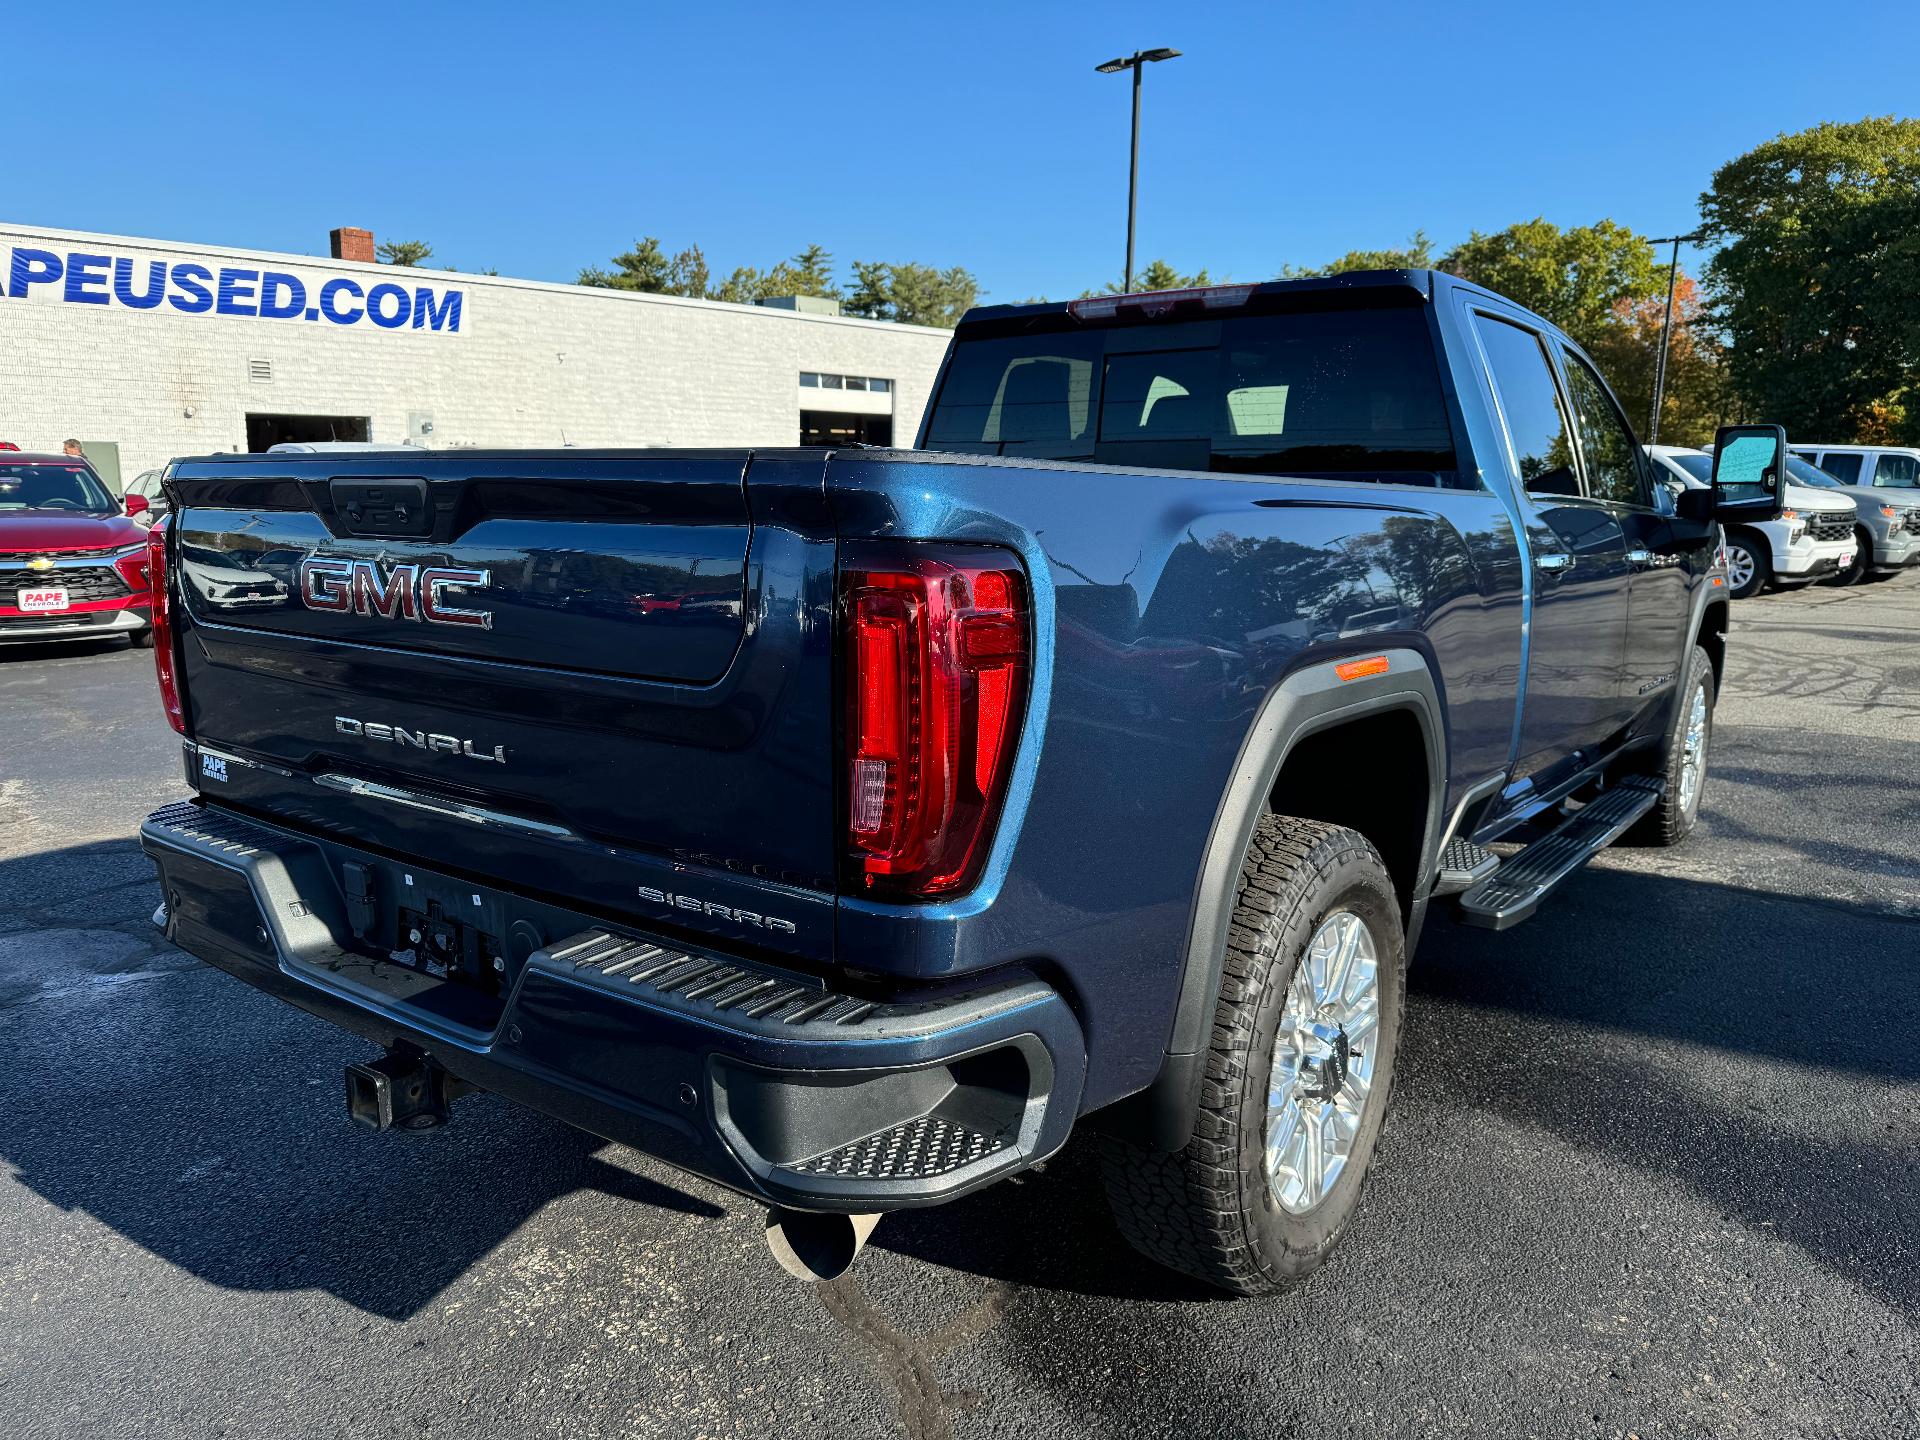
<point x="402" y="1090"/>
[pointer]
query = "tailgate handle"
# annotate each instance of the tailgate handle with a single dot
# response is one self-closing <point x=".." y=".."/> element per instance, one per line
<point x="393" y="506"/>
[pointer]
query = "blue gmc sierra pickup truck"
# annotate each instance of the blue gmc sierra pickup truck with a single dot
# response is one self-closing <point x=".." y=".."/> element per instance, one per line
<point x="847" y="826"/>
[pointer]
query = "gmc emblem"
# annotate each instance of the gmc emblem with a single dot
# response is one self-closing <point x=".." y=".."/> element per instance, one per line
<point x="405" y="592"/>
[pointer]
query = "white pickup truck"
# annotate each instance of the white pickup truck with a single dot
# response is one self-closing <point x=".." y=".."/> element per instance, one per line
<point x="1812" y="540"/>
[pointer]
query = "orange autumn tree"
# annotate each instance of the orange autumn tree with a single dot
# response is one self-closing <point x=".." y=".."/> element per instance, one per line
<point x="1696" y="399"/>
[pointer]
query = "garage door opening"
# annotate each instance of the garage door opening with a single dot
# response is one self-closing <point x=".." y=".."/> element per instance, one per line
<point x="828" y="427"/>
<point x="266" y="431"/>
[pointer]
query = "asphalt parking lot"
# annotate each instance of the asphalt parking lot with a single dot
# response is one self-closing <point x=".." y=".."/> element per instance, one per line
<point x="1654" y="1167"/>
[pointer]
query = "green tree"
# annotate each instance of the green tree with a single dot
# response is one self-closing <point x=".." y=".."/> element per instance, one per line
<point x="1816" y="283"/>
<point x="872" y="297"/>
<point x="404" y="252"/>
<point x="650" y="270"/>
<point x="911" y="294"/>
<point x="1416" y="254"/>
<point x="1576" y="278"/>
<point x="687" y="273"/>
<point x="1158" y="275"/>
<point x="812" y="273"/>
<point x="744" y="286"/>
<point x="644" y="268"/>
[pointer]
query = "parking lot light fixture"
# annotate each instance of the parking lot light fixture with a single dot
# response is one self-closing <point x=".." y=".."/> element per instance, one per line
<point x="1136" y="62"/>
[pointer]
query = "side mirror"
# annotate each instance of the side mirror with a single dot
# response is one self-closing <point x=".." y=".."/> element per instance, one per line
<point x="1749" y="470"/>
<point x="136" y="504"/>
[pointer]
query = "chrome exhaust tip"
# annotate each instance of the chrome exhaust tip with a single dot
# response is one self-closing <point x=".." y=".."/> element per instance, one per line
<point x="812" y="1246"/>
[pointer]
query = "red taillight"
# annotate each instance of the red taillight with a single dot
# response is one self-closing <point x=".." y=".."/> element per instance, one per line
<point x="937" y="648"/>
<point x="163" y="626"/>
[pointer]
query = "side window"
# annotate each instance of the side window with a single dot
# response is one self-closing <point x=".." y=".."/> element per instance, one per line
<point x="1613" y="468"/>
<point x="1530" y="401"/>
<point x="1843" y="467"/>
<point x="1896" y="472"/>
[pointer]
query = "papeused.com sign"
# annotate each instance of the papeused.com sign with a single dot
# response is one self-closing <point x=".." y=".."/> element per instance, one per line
<point x="293" y="294"/>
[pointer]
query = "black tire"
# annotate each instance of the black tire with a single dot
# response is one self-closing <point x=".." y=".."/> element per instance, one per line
<point x="1862" y="567"/>
<point x="1208" y="1210"/>
<point x="1757" y="570"/>
<point x="1672" y="820"/>
<point x="143" y="638"/>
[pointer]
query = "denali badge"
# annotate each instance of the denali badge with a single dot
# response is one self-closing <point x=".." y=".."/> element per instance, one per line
<point x="406" y="592"/>
<point x="714" y="907"/>
<point x="419" y="739"/>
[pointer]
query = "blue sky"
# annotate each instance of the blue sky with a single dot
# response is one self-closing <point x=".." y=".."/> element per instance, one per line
<point x="540" y="139"/>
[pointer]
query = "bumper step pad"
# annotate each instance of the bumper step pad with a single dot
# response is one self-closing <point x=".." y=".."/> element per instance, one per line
<point x="919" y="1150"/>
<point x="1515" y="890"/>
<point x="751" y="992"/>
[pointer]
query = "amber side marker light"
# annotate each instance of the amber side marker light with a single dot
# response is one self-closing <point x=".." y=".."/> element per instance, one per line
<point x="1360" y="669"/>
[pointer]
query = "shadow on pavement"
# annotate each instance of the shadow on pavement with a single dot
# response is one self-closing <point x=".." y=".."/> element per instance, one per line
<point x="22" y="652"/>
<point x="1628" y="1024"/>
<point x="1731" y="1042"/>
<point x="1625" y="1021"/>
<point x="206" y="1123"/>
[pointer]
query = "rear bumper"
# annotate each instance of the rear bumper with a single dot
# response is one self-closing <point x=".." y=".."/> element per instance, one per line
<point x="760" y="1078"/>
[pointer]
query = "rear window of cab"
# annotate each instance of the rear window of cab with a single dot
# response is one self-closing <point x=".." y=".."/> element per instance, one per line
<point x="1349" y="394"/>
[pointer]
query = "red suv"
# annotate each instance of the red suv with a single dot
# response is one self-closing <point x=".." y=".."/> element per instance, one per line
<point x="73" y="566"/>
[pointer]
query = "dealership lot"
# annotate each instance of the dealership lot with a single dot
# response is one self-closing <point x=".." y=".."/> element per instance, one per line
<point x="1654" y="1166"/>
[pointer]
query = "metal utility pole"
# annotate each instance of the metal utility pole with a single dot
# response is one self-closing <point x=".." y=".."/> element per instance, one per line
<point x="1136" y="62"/>
<point x="1666" y="329"/>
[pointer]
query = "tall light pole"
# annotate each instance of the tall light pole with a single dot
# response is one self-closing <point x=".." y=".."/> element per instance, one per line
<point x="1136" y="62"/>
<point x="1666" y="329"/>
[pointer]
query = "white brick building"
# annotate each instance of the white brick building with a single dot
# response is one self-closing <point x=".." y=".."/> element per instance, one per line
<point x="145" y="350"/>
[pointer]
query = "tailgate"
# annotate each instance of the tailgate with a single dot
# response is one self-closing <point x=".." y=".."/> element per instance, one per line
<point x="588" y="674"/>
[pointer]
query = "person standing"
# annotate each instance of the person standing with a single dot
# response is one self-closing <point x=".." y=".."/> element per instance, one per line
<point x="72" y="447"/>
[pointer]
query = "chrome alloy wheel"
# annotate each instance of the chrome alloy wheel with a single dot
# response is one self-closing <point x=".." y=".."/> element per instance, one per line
<point x="1740" y="566"/>
<point x="1323" y="1062"/>
<point x="1693" y="749"/>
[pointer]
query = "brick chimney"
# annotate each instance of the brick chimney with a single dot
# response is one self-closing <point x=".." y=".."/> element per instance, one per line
<point x="352" y="244"/>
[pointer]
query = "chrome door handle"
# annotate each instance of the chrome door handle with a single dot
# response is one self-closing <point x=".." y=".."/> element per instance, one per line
<point x="1640" y="559"/>
<point x="1554" y="564"/>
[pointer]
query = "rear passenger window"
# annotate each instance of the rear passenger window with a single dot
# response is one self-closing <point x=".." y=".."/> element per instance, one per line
<point x="1530" y="404"/>
<point x="1613" y="459"/>
<point x="1896" y="472"/>
<point x="1843" y="467"/>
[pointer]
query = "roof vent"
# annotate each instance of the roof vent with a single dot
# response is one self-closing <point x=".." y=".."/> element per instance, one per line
<point x="260" y="370"/>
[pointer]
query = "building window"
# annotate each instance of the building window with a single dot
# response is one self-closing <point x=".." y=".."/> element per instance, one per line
<point x="813" y="380"/>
